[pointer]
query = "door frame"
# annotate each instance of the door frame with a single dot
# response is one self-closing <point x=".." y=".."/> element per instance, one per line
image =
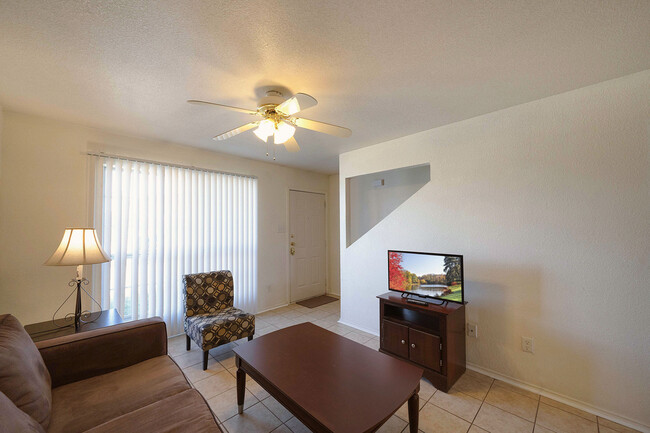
<point x="287" y="239"/>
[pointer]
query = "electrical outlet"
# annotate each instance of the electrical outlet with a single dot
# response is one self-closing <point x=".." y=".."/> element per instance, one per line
<point x="472" y="329"/>
<point x="527" y="344"/>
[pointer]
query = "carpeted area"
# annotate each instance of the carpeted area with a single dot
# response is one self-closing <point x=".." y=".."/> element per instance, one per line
<point x="317" y="301"/>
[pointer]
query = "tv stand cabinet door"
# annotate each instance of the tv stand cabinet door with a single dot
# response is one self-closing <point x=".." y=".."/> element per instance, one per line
<point x="424" y="349"/>
<point x="395" y="338"/>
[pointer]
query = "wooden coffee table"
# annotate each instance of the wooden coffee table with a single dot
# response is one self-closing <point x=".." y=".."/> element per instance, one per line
<point x="330" y="383"/>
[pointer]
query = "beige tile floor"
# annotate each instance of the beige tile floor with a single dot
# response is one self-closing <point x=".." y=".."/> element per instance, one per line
<point x="476" y="404"/>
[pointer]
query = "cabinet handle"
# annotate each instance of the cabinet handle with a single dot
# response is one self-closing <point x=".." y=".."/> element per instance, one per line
<point x="403" y="342"/>
<point x="413" y="345"/>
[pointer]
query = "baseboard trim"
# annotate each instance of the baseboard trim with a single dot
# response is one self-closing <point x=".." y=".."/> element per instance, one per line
<point x="367" y="331"/>
<point x="333" y="295"/>
<point x="561" y="398"/>
<point x="272" y="308"/>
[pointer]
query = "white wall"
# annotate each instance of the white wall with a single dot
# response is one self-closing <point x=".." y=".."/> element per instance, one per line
<point x="368" y="204"/>
<point x="333" y="233"/>
<point x="550" y="204"/>
<point x="44" y="188"/>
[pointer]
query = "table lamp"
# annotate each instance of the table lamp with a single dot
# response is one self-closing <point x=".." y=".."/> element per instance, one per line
<point x="78" y="247"/>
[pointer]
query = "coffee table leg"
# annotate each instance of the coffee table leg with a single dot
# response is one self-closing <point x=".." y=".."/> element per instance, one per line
<point x="241" y="389"/>
<point x="414" y="406"/>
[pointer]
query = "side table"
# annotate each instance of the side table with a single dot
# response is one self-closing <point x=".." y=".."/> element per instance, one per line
<point x="47" y="330"/>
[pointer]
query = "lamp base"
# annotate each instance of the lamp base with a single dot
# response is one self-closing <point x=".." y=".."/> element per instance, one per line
<point x="77" y="283"/>
<point x="77" y="308"/>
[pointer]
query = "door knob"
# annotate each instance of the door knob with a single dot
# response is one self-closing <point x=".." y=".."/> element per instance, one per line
<point x="413" y="345"/>
<point x="292" y="251"/>
<point x="403" y="342"/>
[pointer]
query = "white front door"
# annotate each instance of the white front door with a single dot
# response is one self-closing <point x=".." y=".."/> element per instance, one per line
<point x="307" y="245"/>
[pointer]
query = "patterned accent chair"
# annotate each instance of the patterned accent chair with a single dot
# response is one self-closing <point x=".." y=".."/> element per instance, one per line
<point x="210" y="318"/>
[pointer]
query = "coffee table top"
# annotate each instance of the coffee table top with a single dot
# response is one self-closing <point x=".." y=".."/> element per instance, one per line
<point x="345" y="386"/>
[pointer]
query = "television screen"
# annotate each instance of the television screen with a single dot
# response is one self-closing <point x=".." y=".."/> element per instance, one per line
<point x="434" y="275"/>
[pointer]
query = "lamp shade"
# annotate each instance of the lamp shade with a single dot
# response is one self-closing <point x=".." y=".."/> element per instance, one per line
<point x="79" y="246"/>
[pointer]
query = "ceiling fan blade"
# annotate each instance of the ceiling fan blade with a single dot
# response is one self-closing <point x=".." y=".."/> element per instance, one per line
<point x="298" y="102"/>
<point x="326" y="128"/>
<point x="291" y="145"/>
<point x="235" y="131"/>
<point x="229" y="107"/>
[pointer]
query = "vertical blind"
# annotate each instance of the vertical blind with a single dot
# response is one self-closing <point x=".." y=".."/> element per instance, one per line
<point x="161" y="222"/>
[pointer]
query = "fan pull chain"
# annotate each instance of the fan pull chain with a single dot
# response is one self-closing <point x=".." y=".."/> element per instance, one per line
<point x="267" y="147"/>
<point x="273" y="153"/>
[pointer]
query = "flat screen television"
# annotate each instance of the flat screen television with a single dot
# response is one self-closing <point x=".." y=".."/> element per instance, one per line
<point x="431" y="275"/>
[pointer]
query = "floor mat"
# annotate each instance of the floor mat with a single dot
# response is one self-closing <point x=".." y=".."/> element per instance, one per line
<point x="317" y="301"/>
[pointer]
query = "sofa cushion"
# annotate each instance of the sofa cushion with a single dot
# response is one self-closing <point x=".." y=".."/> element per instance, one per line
<point x="23" y="375"/>
<point x="14" y="420"/>
<point x="81" y="405"/>
<point x="79" y="356"/>
<point x="186" y="412"/>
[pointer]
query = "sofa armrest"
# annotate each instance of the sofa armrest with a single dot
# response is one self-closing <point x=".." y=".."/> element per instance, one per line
<point x="79" y="356"/>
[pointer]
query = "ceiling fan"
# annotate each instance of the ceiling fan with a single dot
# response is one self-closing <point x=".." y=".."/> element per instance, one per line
<point x="275" y="117"/>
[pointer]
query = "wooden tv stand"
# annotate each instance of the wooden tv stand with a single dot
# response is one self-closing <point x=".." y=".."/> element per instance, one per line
<point x="431" y="337"/>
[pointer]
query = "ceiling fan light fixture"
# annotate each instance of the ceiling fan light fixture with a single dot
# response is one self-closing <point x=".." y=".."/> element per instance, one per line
<point x="267" y="127"/>
<point x="265" y="130"/>
<point x="275" y="117"/>
<point x="261" y="135"/>
<point x="283" y="132"/>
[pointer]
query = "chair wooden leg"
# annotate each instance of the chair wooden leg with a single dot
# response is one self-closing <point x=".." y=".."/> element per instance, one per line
<point x="250" y="337"/>
<point x="187" y="342"/>
<point x="205" y="359"/>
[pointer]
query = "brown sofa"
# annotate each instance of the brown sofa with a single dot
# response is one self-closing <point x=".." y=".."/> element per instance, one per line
<point x="115" y="379"/>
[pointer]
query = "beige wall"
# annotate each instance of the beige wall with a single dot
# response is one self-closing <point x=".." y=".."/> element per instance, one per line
<point x="44" y="188"/>
<point x="1" y="118"/>
<point x="334" y="275"/>
<point x="550" y="204"/>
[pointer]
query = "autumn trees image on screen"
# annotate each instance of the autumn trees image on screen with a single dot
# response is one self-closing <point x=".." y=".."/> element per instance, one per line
<point x="396" y="273"/>
<point x="403" y="279"/>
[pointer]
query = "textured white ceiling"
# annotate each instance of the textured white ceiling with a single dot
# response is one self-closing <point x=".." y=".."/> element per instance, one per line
<point x="385" y="69"/>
